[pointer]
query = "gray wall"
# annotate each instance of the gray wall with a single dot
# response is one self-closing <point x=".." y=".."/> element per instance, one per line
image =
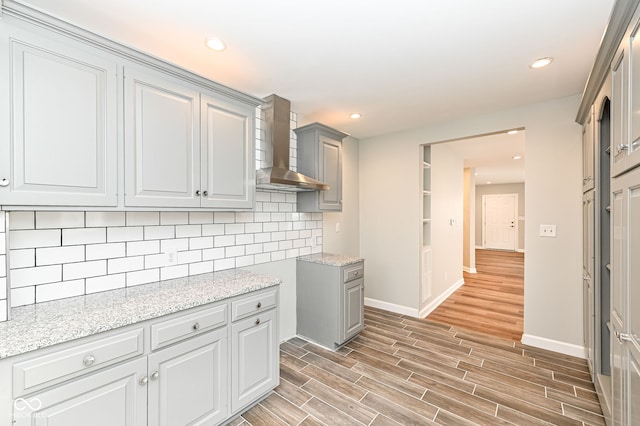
<point x="505" y="188"/>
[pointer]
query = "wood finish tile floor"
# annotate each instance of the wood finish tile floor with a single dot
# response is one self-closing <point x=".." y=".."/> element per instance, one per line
<point x="407" y="371"/>
<point x="491" y="301"/>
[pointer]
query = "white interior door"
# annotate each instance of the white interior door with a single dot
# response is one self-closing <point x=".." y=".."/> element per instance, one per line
<point x="500" y="221"/>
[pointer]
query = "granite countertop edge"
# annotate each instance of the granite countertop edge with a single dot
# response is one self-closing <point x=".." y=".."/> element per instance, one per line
<point x="46" y="324"/>
<point x="331" y="259"/>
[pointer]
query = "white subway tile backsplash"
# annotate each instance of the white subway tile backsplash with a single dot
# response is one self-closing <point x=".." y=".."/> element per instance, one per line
<point x="3" y="288"/>
<point x="183" y="231"/>
<point x="224" y="240"/>
<point x="34" y="239"/>
<point x="136" y="248"/>
<point x="59" y="255"/>
<point x="234" y="251"/>
<point x="269" y="207"/>
<point x="23" y="258"/>
<point x="278" y="217"/>
<point x="22" y="220"/>
<point x="125" y="233"/>
<point x="108" y="282"/>
<point x="278" y="255"/>
<point x="278" y="236"/>
<point x="103" y="219"/>
<point x="253" y="248"/>
<point x="200" y="217"/>
<point x="252" y="228"/>
<point x="23" y="296"/>
<point x="243" y="261"/>
<point x="285" y="226"/>
<point x="2" y="222"/>
<point x="234" y="228"/>
<point x="278" y="197"/>
<point x="49" y="220"/>
<point x="270" y="227"/>
<point x="71" y="237"/>
<point x="3" y="266"/>
<point x="267" y="247"/>
<point x="142" y="218"/>
<point x="94" y="268"/>
<point x="3" y="310"/>
<point x="192" y="256"/>
<point x="264" y="237"/>
<point x="200" y="243"/>
<point x="54" y="291"/>
<point x="142" y="277"/>
<point x="245" y="217"/>
<point x="179" y="244"/>
<point x="159" y="232"/>
<point x="244" y="239"/>
<point x="37" y="275"/>
<point x="262" y="217"/>
<point x="174" y="218"/>
<point x="3" y="242"/>
<point x="155" y="261"/>
<point x="263" y="196"/>
<point x="201" y="267"/>
<point x="224" y="217"/>
<point x="213" y="253"/>
<point x="262" y="258"/>
<point x="222" y="264"/>
<point x="213" y="229"/>
<point x="170" y="272"/>
<point x="105" y="251"/>
<point x="285" y="245"/>
<point x="125" y="264"/>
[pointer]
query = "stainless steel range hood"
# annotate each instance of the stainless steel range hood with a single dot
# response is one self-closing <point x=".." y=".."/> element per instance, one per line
<point x="276" y="115"/>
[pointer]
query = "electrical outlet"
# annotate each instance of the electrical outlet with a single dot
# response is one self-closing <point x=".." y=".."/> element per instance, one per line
<point x="548" y="231"/>
<point x="172" y="257"/>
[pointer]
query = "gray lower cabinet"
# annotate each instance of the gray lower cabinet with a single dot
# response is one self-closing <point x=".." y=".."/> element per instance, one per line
<point x="330" y="302"/>
<point x="173" y="371"/>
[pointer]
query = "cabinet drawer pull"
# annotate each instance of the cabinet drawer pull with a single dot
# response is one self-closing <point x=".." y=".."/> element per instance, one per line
<point x="89" y="360"/>
<point x="196" y="326"/>
<point x="259" y="305"/>
<point x="4" y="182"/>
<point x="258" y="321"/>
<point x="143" y="380"/>
<point x="155" y="375"/>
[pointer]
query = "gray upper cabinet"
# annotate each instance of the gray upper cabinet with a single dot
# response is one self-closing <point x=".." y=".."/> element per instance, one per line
<point x="588" y="154"/>
<point x="58" y="115"/>
<point x="162" y="143"/>
<point x="186" y="148"/>
<point x="320" y="157"/>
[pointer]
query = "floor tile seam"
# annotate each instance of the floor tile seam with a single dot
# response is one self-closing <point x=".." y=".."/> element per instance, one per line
<point x="471" y="407"/>
<point x="287" y="399"/>
<point x="274" y="414"/>
<point x="525" y="380"/>
<point x="528" y="403"/>
<point x="343" y="396"/>
<point x="394" y="388"/>
<point x="403" y="408"/>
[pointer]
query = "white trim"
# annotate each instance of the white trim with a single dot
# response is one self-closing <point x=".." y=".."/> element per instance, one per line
<point x="554" y="345"/>
<point x="520" y="250"/>
<point x="479" y="247"/>
<point x="469" y="270"/>
<point x="391" y="307"/>
<point x="441" y="298"/>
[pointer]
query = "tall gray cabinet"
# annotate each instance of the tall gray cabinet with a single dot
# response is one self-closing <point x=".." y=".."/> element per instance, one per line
<point x="612" y="271"/>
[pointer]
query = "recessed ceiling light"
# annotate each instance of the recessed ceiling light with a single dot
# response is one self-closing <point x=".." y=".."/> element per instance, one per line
<point x="516" y="157"/>
<point x="488" y="182"/>
<point x="215" y="44"/>
<point x="512" y="132"/>
<point x="542" y="62"/>
<point x="355" y="115"/>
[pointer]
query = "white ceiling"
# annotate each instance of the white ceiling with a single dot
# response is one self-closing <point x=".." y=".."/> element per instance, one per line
<point x="401" y="64"/>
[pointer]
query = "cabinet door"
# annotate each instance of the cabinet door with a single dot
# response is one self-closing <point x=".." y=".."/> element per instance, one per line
<point x="632" y="149"/>
<point x="330" y="173"/>
<point x="162" y="140"/>
<point x="619" y="110"/>
<point x="588" y="220"/>
<point x="254" y="358"/>
<point x="588" y="153"/>
<point x="188" y="382"/>
<point x="353" y="309"/>
<point x="58" y="117"/>
<point x="228" y="154"/>
<point x="112" y="397"/>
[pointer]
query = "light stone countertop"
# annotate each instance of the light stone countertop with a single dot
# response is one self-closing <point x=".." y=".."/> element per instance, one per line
<point x="331" y="259"/>
<point x="45" y="324"/>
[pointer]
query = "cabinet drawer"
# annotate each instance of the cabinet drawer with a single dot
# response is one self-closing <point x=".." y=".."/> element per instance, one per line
<point x="64" y="364"/>
<point x="186" y="326"/>
<point x="353" y="273"/>
<point x="250" y="305"/>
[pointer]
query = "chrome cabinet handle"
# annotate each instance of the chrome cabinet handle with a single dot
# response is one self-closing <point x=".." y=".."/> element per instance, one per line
<point x="198" y="193"/>
<point x="622" y="337"/>
<point x="143" y="380"/>
<point x="622" y="147"/>
<point x="89" y="360"/>
<point x="4" y="182"/>
<point x="258" y="321"/>
<point x="155" y="375"/>
<point x="196" y="326"/>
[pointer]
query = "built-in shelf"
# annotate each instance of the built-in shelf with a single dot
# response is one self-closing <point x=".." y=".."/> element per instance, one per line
<point x="608" y="266"/>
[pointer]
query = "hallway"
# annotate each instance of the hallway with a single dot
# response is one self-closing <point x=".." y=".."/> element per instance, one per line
<point x="492" y="300"/>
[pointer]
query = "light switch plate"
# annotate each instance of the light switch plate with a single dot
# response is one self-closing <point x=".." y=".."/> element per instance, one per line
<point x="548" y="231"/>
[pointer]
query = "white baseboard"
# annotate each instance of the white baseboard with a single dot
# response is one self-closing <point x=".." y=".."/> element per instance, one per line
<point x="470" y="270"/>
<point x="554" y="345"/>
<point x="431" y="306"/>
<point x="520" y="250"/>
<point x="391" y="307"/>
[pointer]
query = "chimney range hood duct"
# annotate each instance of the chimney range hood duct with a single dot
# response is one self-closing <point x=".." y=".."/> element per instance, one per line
<point x="276" y="115"/>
